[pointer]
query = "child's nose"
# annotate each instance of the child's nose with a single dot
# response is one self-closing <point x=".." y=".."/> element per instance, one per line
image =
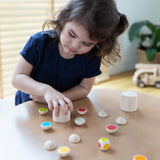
<point x="75" y="44"/>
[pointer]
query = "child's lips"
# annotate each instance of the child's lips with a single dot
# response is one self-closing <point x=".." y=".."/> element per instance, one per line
<point x="71" y="50"/>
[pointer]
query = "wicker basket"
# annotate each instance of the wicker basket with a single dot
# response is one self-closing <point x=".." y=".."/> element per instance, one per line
<point x="142" y="58"/>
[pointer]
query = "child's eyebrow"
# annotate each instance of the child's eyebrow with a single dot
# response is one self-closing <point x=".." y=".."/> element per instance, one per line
<point x="78" y="37"/>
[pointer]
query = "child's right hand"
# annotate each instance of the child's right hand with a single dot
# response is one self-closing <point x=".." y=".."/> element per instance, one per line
<point x="39" y="91"/>
<point x="54" y="98"/>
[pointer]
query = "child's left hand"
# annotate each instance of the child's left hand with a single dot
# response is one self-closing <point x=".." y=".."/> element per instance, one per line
<point x="38" y="99"/>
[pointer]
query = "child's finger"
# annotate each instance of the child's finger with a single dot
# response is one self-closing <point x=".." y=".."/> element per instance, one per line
<point x="64" y="106"/>
<point x="56" y="108"/>
<point x="69" y="102"/>
<point x="49" y="102"/>
<point x="50" y="105"/>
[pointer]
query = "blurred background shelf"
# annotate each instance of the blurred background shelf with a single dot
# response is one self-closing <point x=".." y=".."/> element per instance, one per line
<point x="124" y="81"/>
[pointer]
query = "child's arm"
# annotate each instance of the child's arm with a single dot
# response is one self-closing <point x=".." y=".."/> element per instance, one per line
<point x="81" y="90"/>
<point x="22" y="81"/>
<point x="75" y="93"/>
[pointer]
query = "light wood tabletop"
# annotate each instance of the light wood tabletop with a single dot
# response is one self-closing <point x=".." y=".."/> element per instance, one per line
<point x="21" y="136"/>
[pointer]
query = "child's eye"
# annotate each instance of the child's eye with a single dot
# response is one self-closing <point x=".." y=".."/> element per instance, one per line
<point x="87" y="44"/>
<point x="72" y="35"/>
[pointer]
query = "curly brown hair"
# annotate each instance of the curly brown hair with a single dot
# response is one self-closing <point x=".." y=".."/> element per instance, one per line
<point x="101" y="19"/>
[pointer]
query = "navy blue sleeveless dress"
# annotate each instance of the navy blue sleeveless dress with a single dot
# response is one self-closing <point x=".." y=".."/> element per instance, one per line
<point x="49" y="67"/>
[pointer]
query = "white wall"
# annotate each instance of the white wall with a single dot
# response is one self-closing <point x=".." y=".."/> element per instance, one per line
<point x="135" y="10"/>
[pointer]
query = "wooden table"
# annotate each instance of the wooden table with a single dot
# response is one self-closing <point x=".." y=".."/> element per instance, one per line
<point x="21" y="136"/>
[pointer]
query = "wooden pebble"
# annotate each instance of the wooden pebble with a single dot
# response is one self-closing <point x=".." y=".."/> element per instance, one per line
<point x="74" y="138"/>
<point x="43" y="111"/>
<point x="121" y="120"/>
<point x="46" y="125"/>
<point x="82" y="111"/>
<point x="102" y="114"/>
<point x="63" y="151"/>
<point x="111" y="128"/>
<point x="50" y="145"/>
<point x="80" y="121"/>
<point x="139" y="157"/>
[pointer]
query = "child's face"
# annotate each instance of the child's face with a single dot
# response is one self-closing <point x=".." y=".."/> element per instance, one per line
<point x="74" y="39"/>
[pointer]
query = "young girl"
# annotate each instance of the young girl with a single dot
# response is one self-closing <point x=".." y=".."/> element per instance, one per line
<point x="59" y="65"/>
